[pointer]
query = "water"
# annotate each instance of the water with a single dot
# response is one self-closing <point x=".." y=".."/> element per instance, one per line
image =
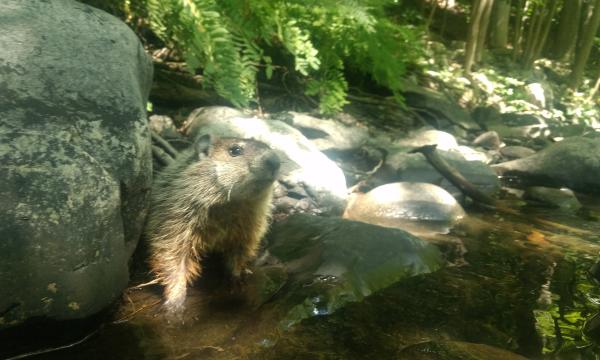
<point x="516" y="283"/>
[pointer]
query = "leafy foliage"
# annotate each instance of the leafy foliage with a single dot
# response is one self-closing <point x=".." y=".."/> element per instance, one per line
<point x="228" y="40"/>
<point x="199" y="31"/>
<point x="574" y="301"/>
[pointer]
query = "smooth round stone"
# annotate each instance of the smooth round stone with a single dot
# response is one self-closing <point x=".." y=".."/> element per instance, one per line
<point x="419" y="208"/>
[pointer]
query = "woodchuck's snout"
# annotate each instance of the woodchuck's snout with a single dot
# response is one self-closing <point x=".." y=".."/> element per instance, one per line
<point x="215" y="196"/>
<point x="245" y="168"/>
<point x="272" y="163"/>
<point x="265" y="163"/>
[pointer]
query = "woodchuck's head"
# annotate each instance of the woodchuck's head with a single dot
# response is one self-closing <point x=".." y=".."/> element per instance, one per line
<point x="245" y="168"/>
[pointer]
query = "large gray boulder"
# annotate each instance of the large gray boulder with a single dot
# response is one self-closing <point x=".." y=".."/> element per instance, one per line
<point x="520" y="127"/>
<point x="74" y="156"/>
<point x="574" y="163"/>
<point x="445" y="112"/>
<point x="563" y="199"/>
<point x="329" y="135"/>
<point x="331" y="262"/>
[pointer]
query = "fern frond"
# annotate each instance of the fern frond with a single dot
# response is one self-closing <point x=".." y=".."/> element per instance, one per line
<point x="229" y="39"/>
<point x="297" y="42"/>
<point x="330" y="86"/>
<point x="205" y="43"/>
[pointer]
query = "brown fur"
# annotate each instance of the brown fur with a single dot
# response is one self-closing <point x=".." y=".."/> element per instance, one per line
<point x="209" y="200"/>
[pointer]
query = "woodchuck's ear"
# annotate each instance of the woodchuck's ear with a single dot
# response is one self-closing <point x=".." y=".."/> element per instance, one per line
<point x="203" y="145"/>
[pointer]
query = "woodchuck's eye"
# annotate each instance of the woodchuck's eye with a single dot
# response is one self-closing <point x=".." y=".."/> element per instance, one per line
<point x="236" y="150"/>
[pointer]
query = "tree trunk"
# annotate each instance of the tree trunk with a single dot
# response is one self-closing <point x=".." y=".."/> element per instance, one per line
<point x="485" y="22"/>
<point x="444" y="18"/>
<point x="586" y="15"/>
<point x="434" y="6"/>
<point x="521" y="4"/>
<point x="480" y="18"/>
<point x="538" y="32"/>
<point x="532" y="33"/>
<point x="546" y="29"/>
<point x="476" y="15"/>
<point x="500" y="24"/>
<point x="587" y="41"/>
<point x="567" y="30"/>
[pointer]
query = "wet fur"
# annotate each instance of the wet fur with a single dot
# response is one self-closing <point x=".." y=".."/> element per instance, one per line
<point x="214" y="203"/>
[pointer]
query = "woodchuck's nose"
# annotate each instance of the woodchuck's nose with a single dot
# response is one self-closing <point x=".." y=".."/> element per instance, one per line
<point x="272" y="163"/>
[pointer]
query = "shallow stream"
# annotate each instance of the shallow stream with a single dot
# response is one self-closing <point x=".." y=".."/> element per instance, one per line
<point x="515" y="282"/>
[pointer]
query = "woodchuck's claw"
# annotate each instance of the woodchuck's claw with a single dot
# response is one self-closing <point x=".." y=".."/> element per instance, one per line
<point x="175" y="315"/>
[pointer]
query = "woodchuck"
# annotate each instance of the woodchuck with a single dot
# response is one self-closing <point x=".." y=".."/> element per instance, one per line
<point x="215" y="196"/>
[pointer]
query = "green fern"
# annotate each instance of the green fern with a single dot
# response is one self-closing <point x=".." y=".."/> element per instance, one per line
<point x="297" y="42"/>
<point x="197" y="29"/>
<point x="226" y="38"/>
<point x="331" y="88"/>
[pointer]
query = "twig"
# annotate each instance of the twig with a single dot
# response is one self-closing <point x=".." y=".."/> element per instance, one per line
<point x="450" y="173"/>
<point x="153" y="282"/>
<point x="84" y="339"/>
<point x="131" y="314"/>
<point x="210" y="347"/>
<point x="164" y="144"/>
<point x="53" y="349"/>
<point x="161" y="155"/>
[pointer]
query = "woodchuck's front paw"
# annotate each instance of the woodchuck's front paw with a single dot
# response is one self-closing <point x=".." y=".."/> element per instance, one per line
<point x="175" y="298"/>
<point x="174" y="310"/>
<point x="238" y="283"/>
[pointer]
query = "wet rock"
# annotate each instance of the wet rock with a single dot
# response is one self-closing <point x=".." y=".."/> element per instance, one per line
<point x="326" y="134"/>
<point x="481" y="81"/>
<point x="456" y="350"/>
<point x="418" y="208"/>
<point x="488" y="140"/>
<point x="422" y="137"/>
<point x="489" y="301"/>
<point x="76" y="158"/>
<point x="536" y="95"/>
<point x="357" y="164"/>
<point x="332" y="262"/>
<point x="415" y="168"/>
<point x="520" y="119"/>
<point x="264" y="283"/>
<point x="443" y="112"/>
<point x="484" y="115"/>
<point x="199" y="116"/>
<point x="471" y="154"/>
<point x="563" y="198"/>
<point x="305" y="171"/>
<point x="443" y="141"/>
<point x="519" y="126"/>
<point x="574" y="163"/>
<point x="342" y="139"/>
<point x="516" y="152"/>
